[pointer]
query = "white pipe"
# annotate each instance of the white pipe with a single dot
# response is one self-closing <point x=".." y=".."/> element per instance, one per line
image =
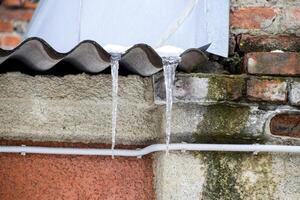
<point x="256" y="148"/>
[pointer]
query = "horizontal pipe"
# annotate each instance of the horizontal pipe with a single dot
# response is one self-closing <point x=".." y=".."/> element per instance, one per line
<point x="256" y="148"/>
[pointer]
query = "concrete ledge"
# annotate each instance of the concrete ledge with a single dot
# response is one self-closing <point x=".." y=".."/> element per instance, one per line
<point x="76" y="108"/>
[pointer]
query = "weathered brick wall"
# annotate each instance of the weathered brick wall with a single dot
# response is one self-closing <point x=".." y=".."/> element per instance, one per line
<point x="14" y="18"/>
<point x="265" y="25"/>
<point x="267" y="94"/>
<point x="265" y="17"/>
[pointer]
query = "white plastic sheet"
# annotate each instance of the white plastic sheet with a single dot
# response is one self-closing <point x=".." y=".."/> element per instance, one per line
<point x="120" y="24"/>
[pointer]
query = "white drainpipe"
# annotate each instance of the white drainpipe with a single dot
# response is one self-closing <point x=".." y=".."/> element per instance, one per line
<point x="256" y="148"/>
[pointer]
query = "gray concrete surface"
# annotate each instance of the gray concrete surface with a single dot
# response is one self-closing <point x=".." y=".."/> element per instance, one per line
<point x="76" y="108"/>
<point x="178" y="176"/>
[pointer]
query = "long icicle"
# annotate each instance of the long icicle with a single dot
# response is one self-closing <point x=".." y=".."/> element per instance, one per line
<point x="169" y="65"/>
<point x="114" y="74"/>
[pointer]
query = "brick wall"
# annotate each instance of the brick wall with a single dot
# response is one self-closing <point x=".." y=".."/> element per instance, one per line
<point x="14" y="18"/>
<point x="264" y="25"/>
<point x="265" y="17"/>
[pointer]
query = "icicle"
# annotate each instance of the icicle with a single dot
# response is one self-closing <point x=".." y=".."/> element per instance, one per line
<point x="169" y="65"/>
<point x="114" y="74"/>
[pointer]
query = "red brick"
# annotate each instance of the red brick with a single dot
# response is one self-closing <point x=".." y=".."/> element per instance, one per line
<point x="12" y="3"/>
<point x="19" y="4"/>
<point x="274" y="90"/>
<point x="15" y="14"/>
<point x="10" y="40"/>
<point x="286" y="124"/>
<point x="252" y="18"/>
<point x="30" y="5"/>
<point x="268" y="63"/>
<point x="6" y="26"/>
<point x="266" y="43"/>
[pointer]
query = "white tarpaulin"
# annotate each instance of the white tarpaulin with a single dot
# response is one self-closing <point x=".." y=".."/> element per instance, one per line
<point x="120" y="24"/>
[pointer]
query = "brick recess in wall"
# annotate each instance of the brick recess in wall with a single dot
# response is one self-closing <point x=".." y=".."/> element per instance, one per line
<point x="286" y="125"/>
<point x="265" y="43"/>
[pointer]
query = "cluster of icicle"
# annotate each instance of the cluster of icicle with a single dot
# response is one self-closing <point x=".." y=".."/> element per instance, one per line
<point x="169" y="67"/>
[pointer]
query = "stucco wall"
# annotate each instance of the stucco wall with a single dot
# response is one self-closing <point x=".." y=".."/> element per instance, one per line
<point x="46" y="177"/>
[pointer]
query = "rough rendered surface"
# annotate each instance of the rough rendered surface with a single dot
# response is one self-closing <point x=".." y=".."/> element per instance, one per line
<point x="47" y="177"/>
<point x="227" y="176"/>
<point x="76" y="108"/>
<point x="178" y="176"/>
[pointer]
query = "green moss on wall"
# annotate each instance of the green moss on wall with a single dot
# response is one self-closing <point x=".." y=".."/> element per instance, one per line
<point x="225" y="88"/>
<point x="227" y="176"/>
<point x="220" y="178"/>
<point x="223" y="123"/>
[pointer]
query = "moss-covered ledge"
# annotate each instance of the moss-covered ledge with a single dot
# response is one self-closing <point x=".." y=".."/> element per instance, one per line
<point x="202" y="88"/>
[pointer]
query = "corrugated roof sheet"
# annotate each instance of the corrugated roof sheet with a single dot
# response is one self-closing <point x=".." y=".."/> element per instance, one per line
<point x="90" y="57"/>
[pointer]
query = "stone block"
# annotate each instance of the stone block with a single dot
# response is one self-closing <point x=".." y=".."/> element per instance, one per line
<point x="294" y="94"/>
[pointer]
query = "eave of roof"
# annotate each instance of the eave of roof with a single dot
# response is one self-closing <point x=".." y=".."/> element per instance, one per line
<point x="88" y="56"/>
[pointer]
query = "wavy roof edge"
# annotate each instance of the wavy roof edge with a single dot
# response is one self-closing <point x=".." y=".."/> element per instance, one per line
<point x="88" y="56"/>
